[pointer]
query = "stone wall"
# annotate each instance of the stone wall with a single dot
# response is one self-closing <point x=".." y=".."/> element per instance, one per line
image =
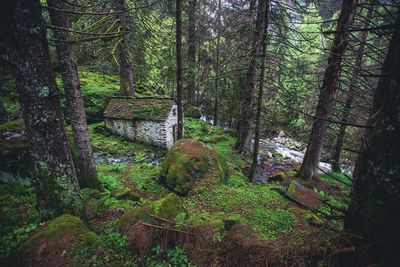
<point x="170" y="122"/>
<point x="121" y="127"/>
<point x="149" y="132"/>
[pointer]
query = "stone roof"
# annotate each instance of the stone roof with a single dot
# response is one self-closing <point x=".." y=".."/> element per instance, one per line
<point x="132" y="108"/>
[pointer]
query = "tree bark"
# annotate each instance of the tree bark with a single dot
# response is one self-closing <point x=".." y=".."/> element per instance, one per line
<point x="308" y="169"/>
<point x="179" y="65"/>
<point x="56" y="182"/>
<point x="350" y="96"/>
<point x="125" y="49"/>
<point x="374" y="208"/>
<point x="217" y="66"/>
<point x="191" y="52"/>
<point x="260" y="96"/>
<point x="86" y="166"/>
<point x="243" y="141"/>
<point x="3" y="113"/>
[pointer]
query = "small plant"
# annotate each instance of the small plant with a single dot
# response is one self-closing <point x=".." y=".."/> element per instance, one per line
<point x="110" y="182"/>
<point x="14" y="239"/>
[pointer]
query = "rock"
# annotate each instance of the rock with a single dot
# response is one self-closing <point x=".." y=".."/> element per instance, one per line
<point x="189" y="161"/>
<point x="57" y="243"/>
<point x="126" y="194"/>
<point x="168" y="207"/>
<point x="303" y="195"/>
<point x="278" y="177"/>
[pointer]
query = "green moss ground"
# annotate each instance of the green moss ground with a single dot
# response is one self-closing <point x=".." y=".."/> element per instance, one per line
<point x="261" y="207"/>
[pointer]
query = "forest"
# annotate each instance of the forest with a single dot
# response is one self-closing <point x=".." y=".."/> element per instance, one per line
<point x="199" y="133"/>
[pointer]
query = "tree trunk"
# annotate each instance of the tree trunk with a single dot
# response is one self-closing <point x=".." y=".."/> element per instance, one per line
<point x="86" y="166"/>
<point x="3" y="113"/>
<point x="125" y="49"/>
<point x="246" y="120"/>
<point x="217" y="66"/>
<point x="191" y="52"/>
<point x="350" y="96"/>
<point x="260" y="96"/>
<point x="57" y="185"/>
<point x="374" y="208"/>
<point x="308" y="169"/>
<point x="179" y="71"/>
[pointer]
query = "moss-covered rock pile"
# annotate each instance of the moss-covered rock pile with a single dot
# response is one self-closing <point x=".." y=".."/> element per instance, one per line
<point x="58" y="243"/>
<point x="190" y="161"/>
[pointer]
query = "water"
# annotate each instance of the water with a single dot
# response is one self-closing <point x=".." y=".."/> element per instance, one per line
<point x="112" y="159"/>
<point x="292" y="154"/>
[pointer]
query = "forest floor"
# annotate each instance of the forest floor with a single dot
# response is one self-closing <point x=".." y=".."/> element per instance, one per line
<point x="123" y="165"/>
<point x="236" y="223"/>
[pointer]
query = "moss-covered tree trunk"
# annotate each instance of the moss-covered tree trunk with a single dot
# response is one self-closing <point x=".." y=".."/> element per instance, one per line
<point x="125" y="49"/>
<point x="375" y="204"/>
<point x="247" y="116"/>
<point x="86" y="165"/>
<point x="25" y="37"/>
<point x="309" y="167"/>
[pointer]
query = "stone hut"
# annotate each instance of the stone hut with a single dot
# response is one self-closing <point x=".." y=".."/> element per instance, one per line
<point x="148" y="120"/>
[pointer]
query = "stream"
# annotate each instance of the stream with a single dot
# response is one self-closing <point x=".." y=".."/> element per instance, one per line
<point x="283" y="153"/>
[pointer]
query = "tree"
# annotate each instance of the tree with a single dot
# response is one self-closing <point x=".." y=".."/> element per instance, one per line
<point x="191" y="51"/>
<point x="217" y="65"/>
<point x="125" y="47"/>
<point x="3" y="113"/>
<point x="86" y="165"/>
<point x="247" y="115"/>
<point x="375" y="198"/>
<point x="179" y="67"/>
<point x="350" y="95"/>
<point x="308" y="169"/>
<point x="260" y="96"/>
<point x="23" y="31"/>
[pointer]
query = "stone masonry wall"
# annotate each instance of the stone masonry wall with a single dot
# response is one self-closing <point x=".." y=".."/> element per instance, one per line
<point x="149" y="132"/>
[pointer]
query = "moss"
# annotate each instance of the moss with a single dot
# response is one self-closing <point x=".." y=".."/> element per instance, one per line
<point x="170" y="207"/>
<point x="14" y="125"/>
<point x="60" y="226"/>
<point x="188" y="161"/>
<point x="134" y="108"/>
<point x="277" y="177"/>
<point x="144" y="177"/>
<point x="58" y="241"/>
<point x="125" y="194"/>
<point x="244" y="204"/>
<point x="88" y="193"/>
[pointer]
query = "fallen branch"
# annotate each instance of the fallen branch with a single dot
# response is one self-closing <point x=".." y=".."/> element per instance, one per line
<point x="167" y="229"/>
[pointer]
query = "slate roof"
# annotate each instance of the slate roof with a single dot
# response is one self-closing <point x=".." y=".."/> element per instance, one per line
<point x="132" y="108"/>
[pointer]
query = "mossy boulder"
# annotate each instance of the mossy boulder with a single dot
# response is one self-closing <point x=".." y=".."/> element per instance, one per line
<point x="278" y="177"/>
<point x="169" y="207"/>
<point x="189" y="161"/>
<point x="126" y="194"/>
<point x="57" y="243"/>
